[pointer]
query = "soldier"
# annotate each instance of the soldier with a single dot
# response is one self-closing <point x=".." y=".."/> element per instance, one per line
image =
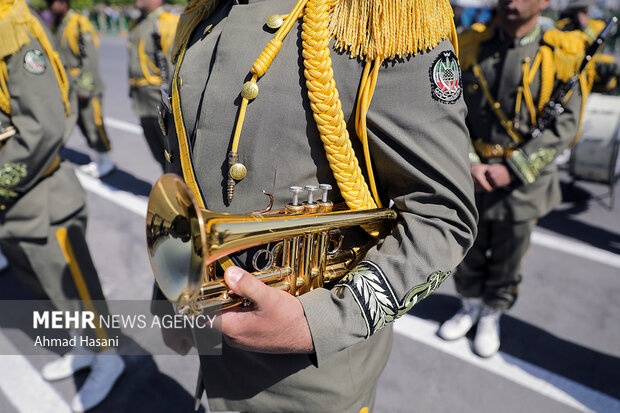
<point x="328" y="346"/>
<point x="149" y="67"/>
<point x="42" y="205"/>
<point x="509" y="72"/>
<point x="78" y="43"/>
<point x="603" y="74"/>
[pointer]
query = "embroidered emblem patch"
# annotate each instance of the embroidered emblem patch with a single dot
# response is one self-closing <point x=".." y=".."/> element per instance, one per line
<point x="445" y="75"/>
<point x="34" y="62"/>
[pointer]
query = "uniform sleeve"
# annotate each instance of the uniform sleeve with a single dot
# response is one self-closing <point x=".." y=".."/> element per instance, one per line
<point x="86" y="81"/>
<point x="37" y="114"/>
<point x="419" y="145"/>
<point x="528" y="161"/>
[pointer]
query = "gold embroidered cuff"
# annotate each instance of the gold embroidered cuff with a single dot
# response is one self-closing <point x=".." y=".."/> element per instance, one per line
<point x="520" y="165"/>
<point x="474" y="158"/>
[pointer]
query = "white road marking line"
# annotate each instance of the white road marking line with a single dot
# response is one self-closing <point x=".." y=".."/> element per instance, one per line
<point x="122" y="125"/>
<point x="576" y="248"/>
<point x="23" y="385"/>
<point x="548" y="384"/>
<point x="122" y="198"/>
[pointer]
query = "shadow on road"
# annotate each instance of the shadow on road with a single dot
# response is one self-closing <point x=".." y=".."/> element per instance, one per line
<point x="565" y="221"/>
<point x="118" y="178"/>
<point x="536" y="346"/>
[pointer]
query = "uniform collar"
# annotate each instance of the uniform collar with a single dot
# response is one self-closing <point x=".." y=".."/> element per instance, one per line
<point x="155" y="13"/>
<point x="67" y="17"/>
<point x="529" y="38"/>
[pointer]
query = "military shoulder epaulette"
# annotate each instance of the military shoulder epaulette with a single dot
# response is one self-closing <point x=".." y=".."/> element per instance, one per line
<point x="469" y="43"/>
<point x="385" y="29"/>
<point x="167" y="26"/>
<point x="76" y="26"/>
<point x="596" y="25"/>
<point x="568" y="51"/>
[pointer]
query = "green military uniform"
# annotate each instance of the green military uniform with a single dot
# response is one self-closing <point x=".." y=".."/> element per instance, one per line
<point x="418" y="143"/>
<point x="42" y="204"/>
<point x="507" y="215"/>
<point x="77" y="43"/>
<point x="145" y="78"/>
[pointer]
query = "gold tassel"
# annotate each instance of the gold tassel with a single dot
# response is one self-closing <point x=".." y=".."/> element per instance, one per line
<point x="194" y="13"/>
<point x="388" y="29"/>
<point x="167" y="24"/>
<point x="568" y="51"/>
<point x="71" y="35"/>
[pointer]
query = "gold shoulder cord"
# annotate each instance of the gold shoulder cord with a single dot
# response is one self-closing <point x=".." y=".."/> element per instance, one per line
<point x="375" y="30"/>
<point x="16" y="26"/>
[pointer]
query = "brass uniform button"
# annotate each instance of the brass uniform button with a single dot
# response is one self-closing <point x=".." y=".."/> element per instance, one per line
<point x="2" y="207"/>
<point x="249" y="90"/>
<point x="274" y="21"/>
<point x="472" y="88"/>
<point x="180" y="82"/>
<point x="238" y="171"/>
<point x="496" y="55"/>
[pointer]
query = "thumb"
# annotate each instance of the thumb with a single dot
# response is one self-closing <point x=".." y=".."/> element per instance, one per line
<point x="244" y="284"/>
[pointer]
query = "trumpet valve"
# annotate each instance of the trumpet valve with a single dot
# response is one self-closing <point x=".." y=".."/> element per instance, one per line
<point x="295" y="207"/>
<point x="324" y="204"/>
<point x="311" y="207"/>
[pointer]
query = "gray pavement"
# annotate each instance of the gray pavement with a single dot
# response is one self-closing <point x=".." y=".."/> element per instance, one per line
<point x="562" y="335"/>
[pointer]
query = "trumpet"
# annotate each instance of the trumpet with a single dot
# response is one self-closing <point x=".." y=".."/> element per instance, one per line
<point x="185" y="242"/>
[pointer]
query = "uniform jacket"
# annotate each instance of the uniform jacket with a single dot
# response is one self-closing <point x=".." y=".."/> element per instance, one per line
<point x="419" y="147"/>
<point x="28" y="201"/>
<point x="78" y="45"/>
<point x="144" y="75"/>
<point x="501" y="60"/>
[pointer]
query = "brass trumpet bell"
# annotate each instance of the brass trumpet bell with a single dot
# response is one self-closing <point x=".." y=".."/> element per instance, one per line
<point x="175" y="237"/>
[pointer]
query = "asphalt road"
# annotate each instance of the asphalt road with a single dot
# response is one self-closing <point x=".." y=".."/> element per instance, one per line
<point x="560" y="343"/>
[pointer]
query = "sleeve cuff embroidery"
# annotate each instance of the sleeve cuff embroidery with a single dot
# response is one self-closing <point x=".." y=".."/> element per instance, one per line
<point x="10" y="176"/>
<point x="527" y="168"/>
<point x="376" y="298"/>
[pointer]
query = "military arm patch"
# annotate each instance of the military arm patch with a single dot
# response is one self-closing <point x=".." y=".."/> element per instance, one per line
<point x="445" y="77"/>
<point x="376" y="298"/>
<point x="34" y="62"/>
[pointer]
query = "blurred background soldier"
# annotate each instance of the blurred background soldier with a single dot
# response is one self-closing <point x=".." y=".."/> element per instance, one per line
<point x="42" y="205"/>
<point x="509" y="73"/>
<point x="149" y="44"/>
<point x="77" y="43"/>
<point x="603" y="75"/>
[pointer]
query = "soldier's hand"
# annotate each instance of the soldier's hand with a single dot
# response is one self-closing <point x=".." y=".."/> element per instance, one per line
<point x="478" y="173"/>
<point x="274" y="323"/>
<point x="498" y="175"/>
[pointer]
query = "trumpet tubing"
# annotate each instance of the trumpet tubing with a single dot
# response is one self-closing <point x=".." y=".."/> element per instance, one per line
<point x="185" y="242"/>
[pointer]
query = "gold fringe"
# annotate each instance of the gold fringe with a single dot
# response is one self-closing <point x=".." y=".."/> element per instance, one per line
<point x="194" y="13"/>
<point x="167" y="25"/>
<point x="16" y="27"/>
<point x="568" y="51"/>
<point x="76" y="23"/>
<point x="386" y="29"/>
